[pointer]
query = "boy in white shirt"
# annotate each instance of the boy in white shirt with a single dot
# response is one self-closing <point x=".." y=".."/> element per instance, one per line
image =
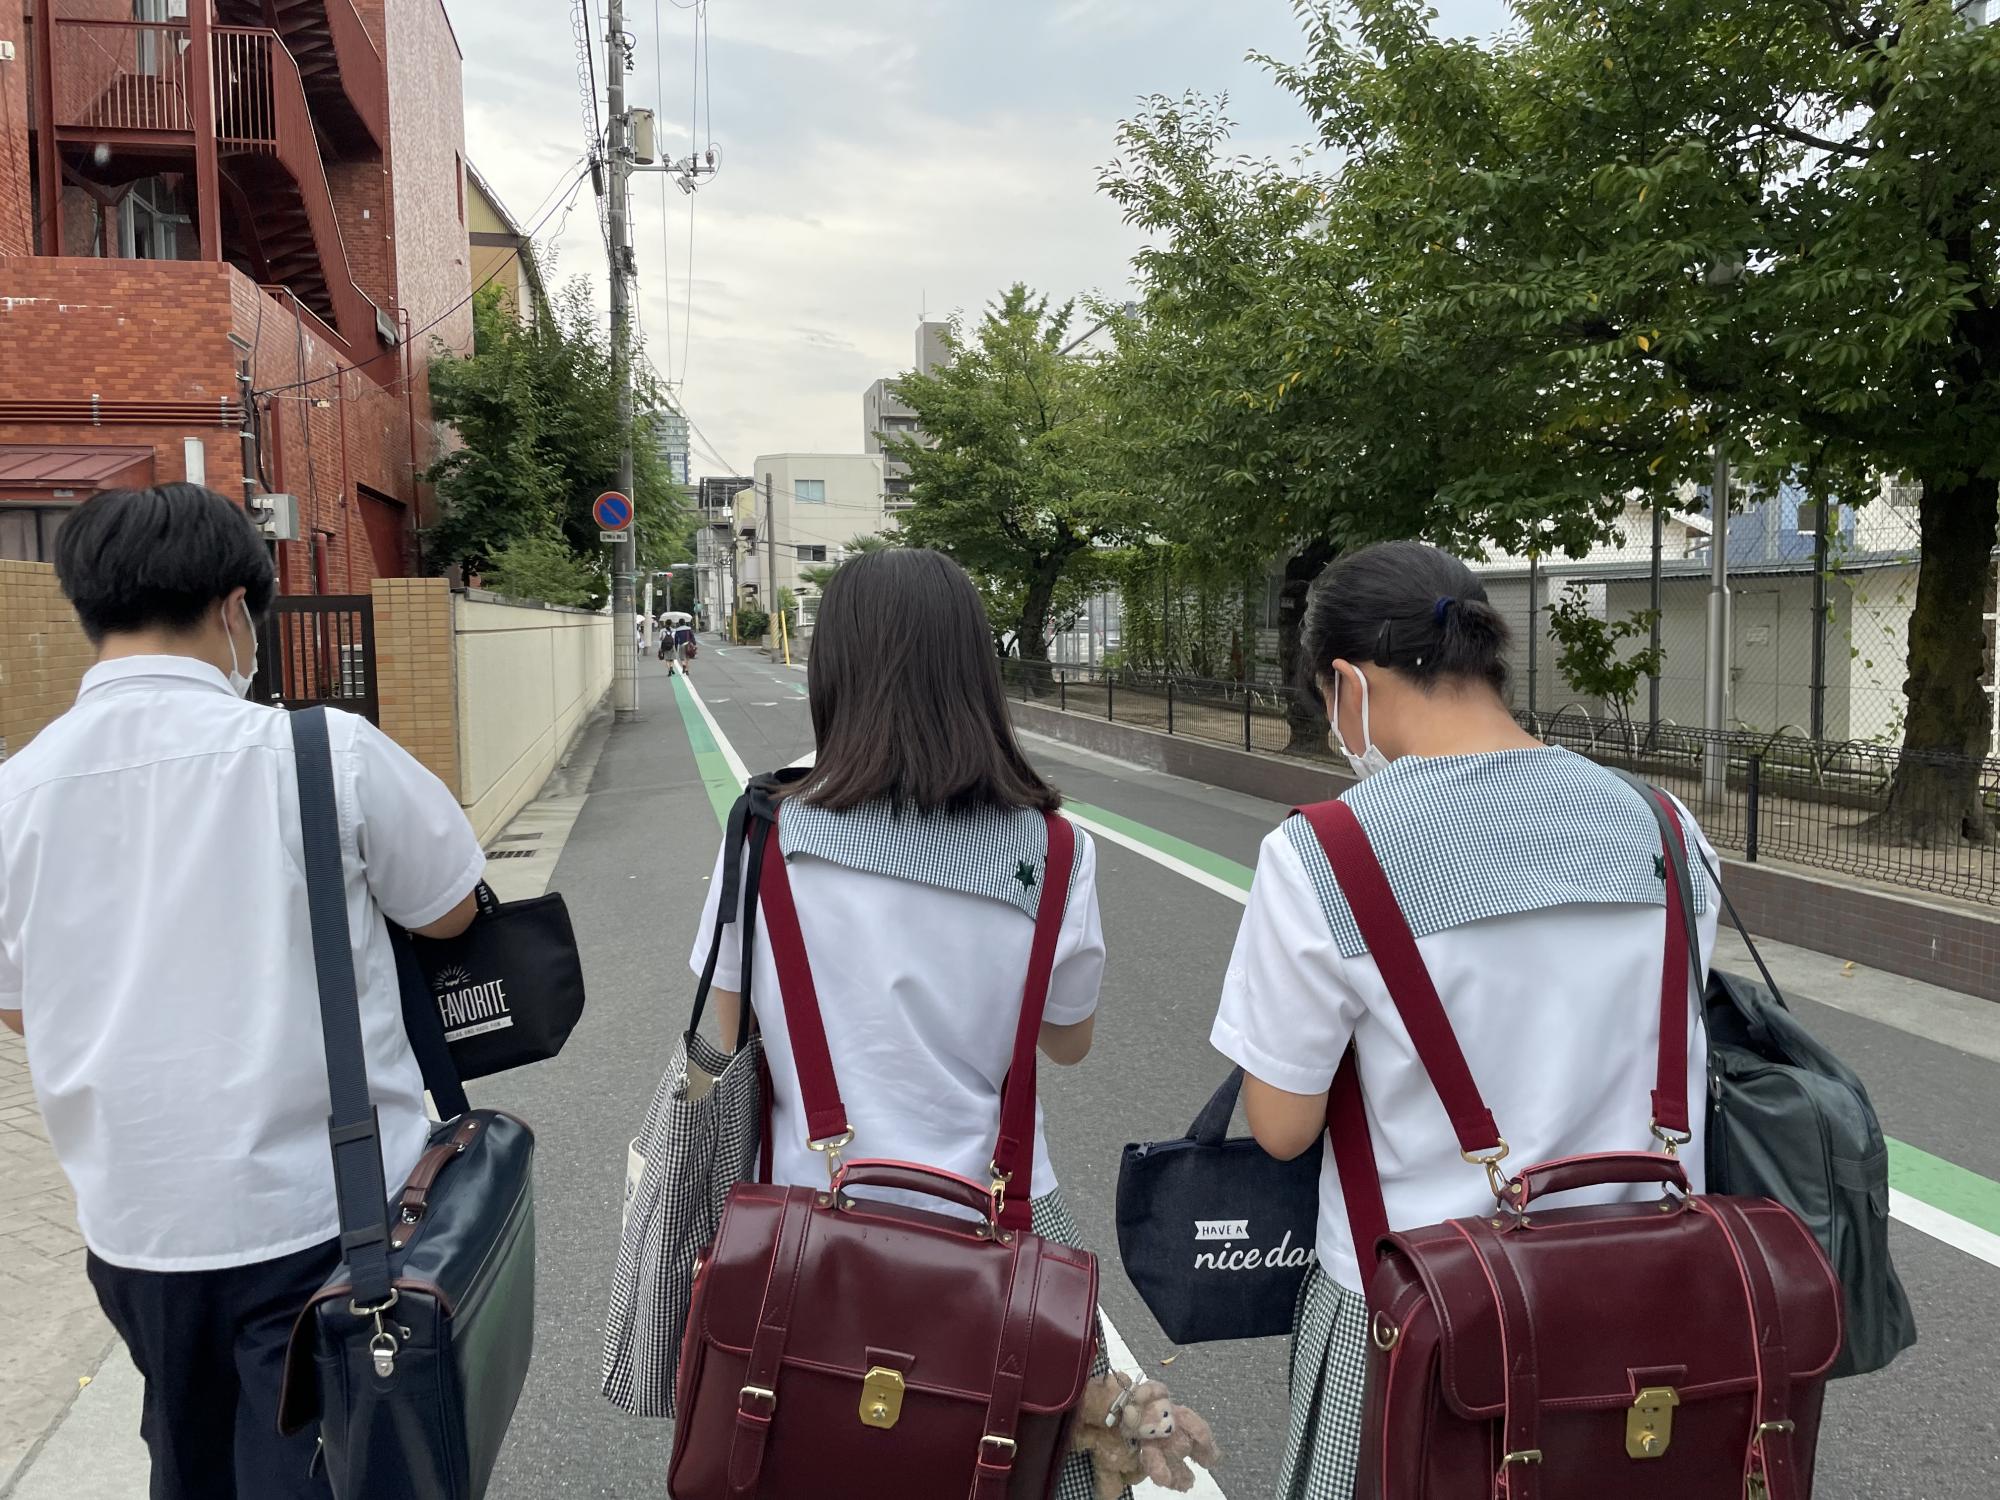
<point x="156" y="953"/>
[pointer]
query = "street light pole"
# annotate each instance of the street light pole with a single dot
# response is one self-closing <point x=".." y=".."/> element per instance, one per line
<point x="1715" y="757"/>
<point x="624" y="561"/>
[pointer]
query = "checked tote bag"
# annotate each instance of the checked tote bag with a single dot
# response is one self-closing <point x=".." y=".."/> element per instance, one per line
<point x="701" y="1137"/>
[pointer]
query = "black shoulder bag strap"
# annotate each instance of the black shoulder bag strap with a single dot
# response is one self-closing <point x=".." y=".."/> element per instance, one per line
<point x="358" y="1185"/>
<point x="1678" y="869"/>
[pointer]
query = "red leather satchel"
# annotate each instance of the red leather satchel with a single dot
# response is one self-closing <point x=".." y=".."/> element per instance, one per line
<point x="845" y="1348"/>
<point x="1667" y="1350"/>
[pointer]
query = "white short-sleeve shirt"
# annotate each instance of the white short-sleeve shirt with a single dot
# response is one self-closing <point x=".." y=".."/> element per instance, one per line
<point x="1557" y="1012"/>
<point x="920" y="992"/>
<point x="153" y="931"/>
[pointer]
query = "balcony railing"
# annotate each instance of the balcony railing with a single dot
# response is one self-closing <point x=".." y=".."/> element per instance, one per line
<point x="122" y="75"/>
<point x="246" y="105"/>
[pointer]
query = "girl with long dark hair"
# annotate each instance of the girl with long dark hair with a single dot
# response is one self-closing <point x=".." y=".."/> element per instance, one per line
<point x="915" y="847"/>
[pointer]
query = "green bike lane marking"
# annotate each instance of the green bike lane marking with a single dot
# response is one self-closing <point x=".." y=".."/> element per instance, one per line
<point x="1938" y="1197"/>
<point x="716" y="775"/>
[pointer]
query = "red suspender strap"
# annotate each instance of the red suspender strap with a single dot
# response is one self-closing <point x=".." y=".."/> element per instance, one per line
<point x="1014" y="1153"/>
<point x="1394" y="949"/>
<point x="826" y="1116"/>
<point x="1354" y="1158"/>
<point x="1670" y="1095"/>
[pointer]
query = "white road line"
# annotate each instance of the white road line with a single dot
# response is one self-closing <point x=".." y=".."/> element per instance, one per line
<point x="1939" y="1225"/>
<point x="1160" y="857"/>
<point x="736" y="766"/>
<point x="1116" y="1350"/>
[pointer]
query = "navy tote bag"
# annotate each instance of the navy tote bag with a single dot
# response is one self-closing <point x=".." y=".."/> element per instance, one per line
<point x="1216" y="1234"/>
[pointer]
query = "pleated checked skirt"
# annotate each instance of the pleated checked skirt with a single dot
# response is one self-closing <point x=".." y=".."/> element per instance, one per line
<point x="1329" y="1368"/>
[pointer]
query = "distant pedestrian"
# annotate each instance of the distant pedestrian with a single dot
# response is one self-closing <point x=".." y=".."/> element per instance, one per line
<point x="685" y="647"/>
<point x="916" y="847"/>
<point x="155" y="950"/>
<point x="1533" y="881"/>
<point x="638" y="635"/>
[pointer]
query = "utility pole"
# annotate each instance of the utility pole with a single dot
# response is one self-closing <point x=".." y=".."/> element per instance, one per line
<point x="1715" y="755"/>
<point x="624" y="563"/>
<point x="1820" y="564"/>
<point x="1653" y="641"/>
<point x="771" y="563"/>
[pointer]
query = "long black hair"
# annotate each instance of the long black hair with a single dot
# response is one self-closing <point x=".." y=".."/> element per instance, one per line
<point x="1404" y="605"/>
<point x="905" y="693"/>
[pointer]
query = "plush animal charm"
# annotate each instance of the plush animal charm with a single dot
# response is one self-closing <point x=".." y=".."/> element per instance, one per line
<point x="1133" y="1431"/>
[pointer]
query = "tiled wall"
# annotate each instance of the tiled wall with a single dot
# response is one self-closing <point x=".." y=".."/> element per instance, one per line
<point x="415" y="674"/>
<point x="43" y="653"/>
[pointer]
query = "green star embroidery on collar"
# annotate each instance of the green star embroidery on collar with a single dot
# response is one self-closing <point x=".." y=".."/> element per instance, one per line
<point x="1659" y="867"/>
<point x="1025" y="873"/>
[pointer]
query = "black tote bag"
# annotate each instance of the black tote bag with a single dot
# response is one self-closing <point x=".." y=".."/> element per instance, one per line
<point x="1217" y="1234"/>
<point x="504" y="993"/>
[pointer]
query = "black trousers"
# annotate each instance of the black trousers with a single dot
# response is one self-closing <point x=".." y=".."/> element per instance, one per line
<point x="211" y="1346"/>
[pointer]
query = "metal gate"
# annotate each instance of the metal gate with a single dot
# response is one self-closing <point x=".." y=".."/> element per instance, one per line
<point x="319" y="648"/>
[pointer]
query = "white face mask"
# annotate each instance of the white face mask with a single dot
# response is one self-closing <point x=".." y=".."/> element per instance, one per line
<point x="1371" y="759"/>
<point x="240" y="680"/>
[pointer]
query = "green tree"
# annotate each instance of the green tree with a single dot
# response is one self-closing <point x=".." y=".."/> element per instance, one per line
<point x="1285" y="396"/>
<point x="535" y="409"/>
<point x="1591" y="654"/>
<point x="541" y="567"/>
<point x="1023" y="474"/>
<point x="1769" y="223"/>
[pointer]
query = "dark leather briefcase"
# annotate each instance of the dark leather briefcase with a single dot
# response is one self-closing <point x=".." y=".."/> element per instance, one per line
<point x="413" y="1354"/>
<point x="844" y="1348"/>
<point x="1670" y="1349"/>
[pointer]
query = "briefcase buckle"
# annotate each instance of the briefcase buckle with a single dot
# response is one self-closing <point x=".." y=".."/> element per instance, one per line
<point x="881" y="1397"/>
<point x="1649" y="1424"/>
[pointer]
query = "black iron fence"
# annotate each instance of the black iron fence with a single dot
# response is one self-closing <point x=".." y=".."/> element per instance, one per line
<point x="318" y="648"/>
<point x="1928" y="823"/>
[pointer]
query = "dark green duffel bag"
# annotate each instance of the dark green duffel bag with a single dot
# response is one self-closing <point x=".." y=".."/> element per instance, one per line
<point x="1788" y="1120"/>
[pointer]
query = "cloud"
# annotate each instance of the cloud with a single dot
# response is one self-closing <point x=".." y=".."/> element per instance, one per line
<point x="878" y="162"/>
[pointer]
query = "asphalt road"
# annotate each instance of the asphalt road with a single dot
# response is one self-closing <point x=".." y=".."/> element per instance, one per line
<point x="634" y="873"/>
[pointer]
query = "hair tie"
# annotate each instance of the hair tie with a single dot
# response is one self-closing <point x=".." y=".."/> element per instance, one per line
<point x="1441" y="609"/>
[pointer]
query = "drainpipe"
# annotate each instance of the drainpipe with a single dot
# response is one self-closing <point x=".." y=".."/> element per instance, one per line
<point x="410" y="410"/>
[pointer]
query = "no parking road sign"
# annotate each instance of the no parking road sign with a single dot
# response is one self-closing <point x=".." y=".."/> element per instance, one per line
<point x="612" y="510"/>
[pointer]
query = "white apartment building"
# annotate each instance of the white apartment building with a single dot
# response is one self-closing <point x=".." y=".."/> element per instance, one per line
<point x="802" y="509"/>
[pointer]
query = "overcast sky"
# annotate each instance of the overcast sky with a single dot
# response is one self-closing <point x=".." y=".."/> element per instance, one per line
<point x="879" y="158"/>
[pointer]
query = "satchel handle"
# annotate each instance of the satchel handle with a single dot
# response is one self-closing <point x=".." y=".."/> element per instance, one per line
<point x="910" y="1177"/>
<point x="1593" y="1170"/>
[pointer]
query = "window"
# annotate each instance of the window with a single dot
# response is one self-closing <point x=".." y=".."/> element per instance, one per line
<point x="150" y="218"/>
<point x="812" y="554"/>
<point x="28" y="534"/>
<point x="809" y="491"/>
<point x="459" y="162"/>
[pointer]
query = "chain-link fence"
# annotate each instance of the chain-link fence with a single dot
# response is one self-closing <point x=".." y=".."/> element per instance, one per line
<point x="1820" y="600"/>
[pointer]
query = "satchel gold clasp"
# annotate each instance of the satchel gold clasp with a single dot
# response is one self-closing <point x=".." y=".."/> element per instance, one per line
<point x="1649" y="1425"/>
<point x="881" y="1397"/>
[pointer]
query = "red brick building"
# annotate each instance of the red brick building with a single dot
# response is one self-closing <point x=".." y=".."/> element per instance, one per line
<point x="192" y="191"/>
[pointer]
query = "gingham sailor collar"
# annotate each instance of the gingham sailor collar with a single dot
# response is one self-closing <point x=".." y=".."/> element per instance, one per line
<point x="995" y="852"/>
<point x="1465" y="837"/>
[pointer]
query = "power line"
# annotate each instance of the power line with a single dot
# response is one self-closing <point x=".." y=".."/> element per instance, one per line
<point x="505" y="261"/>
<point x="666" y="267"/>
